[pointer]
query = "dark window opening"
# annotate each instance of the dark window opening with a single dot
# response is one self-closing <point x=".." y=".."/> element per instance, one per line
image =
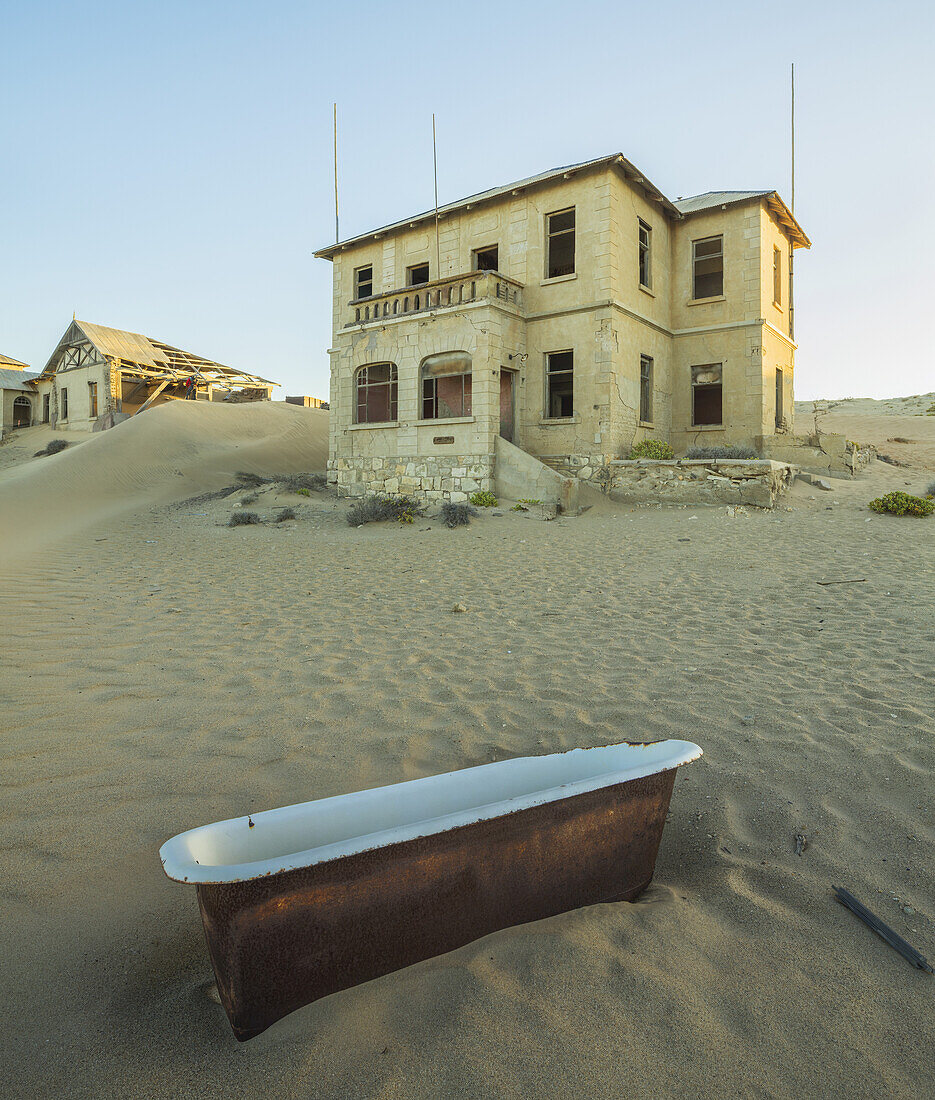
<point x="560" y="398"/>
<point x="561" y="243"/>
<point x="646" y="389"/>
<point x="708" y="267"/>
<point x="707" y="394"/>
<point x="417" y="275"/>
<point x="64" y="404"/>
<point x="92" y="399"/>
<point x="446" y="385"/>
<point x="377" y="393"/>
<point x="777" y="277"/>
<point x="363" y="281"/>
<point x="645" y="245"/>
<point x="779" y="409"/>
<point x="45" y="408"/>
<point x="487" y="259"/>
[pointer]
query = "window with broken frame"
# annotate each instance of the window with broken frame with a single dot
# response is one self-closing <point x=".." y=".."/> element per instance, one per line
<point x="560" y="243"/>
<point x="708" y="267"/>
<point x="559" y="385"/>
<point x="707" y="395"/>
<point x="377" y="393"/>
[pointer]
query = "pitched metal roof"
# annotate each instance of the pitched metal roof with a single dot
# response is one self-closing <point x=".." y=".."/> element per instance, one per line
<point x="711" y="199"/>
<point x="714" y="200"/>
<point x="617" y="160"/>
<point x="6" y="361"/>
<point x="678" y="210"/>
<point x="16" y="379"/>
<point x="153" y="355"/>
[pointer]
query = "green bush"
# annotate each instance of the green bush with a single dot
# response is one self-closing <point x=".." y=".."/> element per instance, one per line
<point x="302" y="492"/>
<point x="652" y="448"/>
<point x="484" y="499"/>
<point x="902" y="504"/>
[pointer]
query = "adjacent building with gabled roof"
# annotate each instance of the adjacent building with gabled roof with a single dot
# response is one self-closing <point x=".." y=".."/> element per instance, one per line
<point x="17" y="394"/>
<point x="572" y="313"/>
<point x="97" y="375"/>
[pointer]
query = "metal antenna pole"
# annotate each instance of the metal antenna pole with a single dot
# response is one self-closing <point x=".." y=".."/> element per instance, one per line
<point x="438" y="266"/>
<point x="792" y="208"/>
<point x="337" y="234"/>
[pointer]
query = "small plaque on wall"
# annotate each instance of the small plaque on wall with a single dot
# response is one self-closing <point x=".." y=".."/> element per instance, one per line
<point x="444" y="439"/>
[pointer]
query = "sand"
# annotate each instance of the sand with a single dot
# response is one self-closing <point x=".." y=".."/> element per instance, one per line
<point x="162" y="670"/>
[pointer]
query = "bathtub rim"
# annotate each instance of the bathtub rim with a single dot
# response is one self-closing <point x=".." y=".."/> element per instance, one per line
<point x="180" y="866"/>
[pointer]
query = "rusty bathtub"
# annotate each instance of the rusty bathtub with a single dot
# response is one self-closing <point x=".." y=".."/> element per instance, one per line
<point x="304" y="900"/>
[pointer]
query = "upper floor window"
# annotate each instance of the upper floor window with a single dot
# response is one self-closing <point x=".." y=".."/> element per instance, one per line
<point x="487" y="259"/>
<point x="377" y="386"/>
<point x="446" y="385"/>
<point x="559" y="384"/>
<point x="708" y="267"/>
<point x="560" y="245"/>
<point x="417" y="275"/>
<point x="646" y="254"/>
<point x="646" y="389"/>
<point x="777" y="276"/>
<point x="707" y="395"/>
<point x="363" y="281"/>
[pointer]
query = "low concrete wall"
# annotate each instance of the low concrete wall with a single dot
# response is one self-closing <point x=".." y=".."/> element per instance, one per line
<point x="698" y="481"/>
<point x="519" y="475"/>
<point x="837" y="455"/>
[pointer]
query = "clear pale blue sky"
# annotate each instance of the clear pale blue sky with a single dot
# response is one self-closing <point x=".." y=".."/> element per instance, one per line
<point x="167" y="167"/>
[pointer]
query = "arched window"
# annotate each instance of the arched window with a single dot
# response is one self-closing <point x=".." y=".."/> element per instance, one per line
<point x="446" y="385"/>
<point x="22" y="412"/>
<point x="376" y="386"/>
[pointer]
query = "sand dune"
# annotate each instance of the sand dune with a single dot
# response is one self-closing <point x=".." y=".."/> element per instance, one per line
<point x="163" y="670"/>
<point x="171" y="452"/>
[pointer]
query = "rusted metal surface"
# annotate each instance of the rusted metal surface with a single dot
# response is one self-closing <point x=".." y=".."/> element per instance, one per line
<point x="279" y="942"/>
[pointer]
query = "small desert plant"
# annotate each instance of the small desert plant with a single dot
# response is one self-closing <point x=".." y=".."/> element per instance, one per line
<point x="286" y="513"/>
<point x="52" y="448"/>
<point x="930" y="491"/>
<point x="251" y="481"/>
<point x="652" y="448"/>
<point x="529" y="500"/>
<point x="243" y="519"/>
<point x="484" y="499"/>
<point x="375" y="509"/>
<point x="517" y="507"/>
<point x="735" y="450"/>
<point x="902" y="504"/>
<point x="457" y="514"/>
<point x="250" y="498"/>
<point x="304" y="483"/>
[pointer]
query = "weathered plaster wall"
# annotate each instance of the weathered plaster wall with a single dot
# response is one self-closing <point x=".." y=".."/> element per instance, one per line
<point x="756" y="483"/>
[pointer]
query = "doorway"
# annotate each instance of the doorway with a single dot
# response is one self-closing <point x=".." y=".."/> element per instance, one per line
<point x="507" y="403"/>
<point x="22" y="412"/>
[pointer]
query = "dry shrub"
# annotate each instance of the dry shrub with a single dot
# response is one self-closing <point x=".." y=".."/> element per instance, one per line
<point x="286" y="513"/>
<point x="736" y="450"/>
<point x="243" y="519"/>
<point x="457" y="514"/>
<point x="375" y="508"/>
<point x="53" y="448"/>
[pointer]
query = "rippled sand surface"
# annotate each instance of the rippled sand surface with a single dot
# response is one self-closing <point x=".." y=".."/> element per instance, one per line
<point x="161" y="671"/>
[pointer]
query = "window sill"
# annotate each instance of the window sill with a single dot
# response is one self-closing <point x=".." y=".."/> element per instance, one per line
<point x="557" y="421"/>
<point x="707" y="428"/>
<point x="559" y="279"/>
<point x="647" y="424"/>
<point x="706" y="301"/>
<point x="445" y="420"/>
<point x="647" y="290"/>
<point x="375" y="424"/>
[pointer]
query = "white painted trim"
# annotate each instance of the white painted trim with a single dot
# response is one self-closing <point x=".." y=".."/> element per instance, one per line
<point x="310" y="833"/>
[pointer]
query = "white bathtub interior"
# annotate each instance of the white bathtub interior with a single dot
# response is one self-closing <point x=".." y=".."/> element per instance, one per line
<point x="311" y="832"/>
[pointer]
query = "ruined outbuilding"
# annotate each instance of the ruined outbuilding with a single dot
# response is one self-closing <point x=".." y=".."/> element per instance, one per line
<point x="17" y="395"/>
<point x="98" y="375"/>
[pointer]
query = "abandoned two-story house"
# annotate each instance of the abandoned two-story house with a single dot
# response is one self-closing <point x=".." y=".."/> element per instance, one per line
<point x="573" y="314"/>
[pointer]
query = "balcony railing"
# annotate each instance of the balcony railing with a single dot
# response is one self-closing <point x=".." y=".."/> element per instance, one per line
<point x="450" y="293"/>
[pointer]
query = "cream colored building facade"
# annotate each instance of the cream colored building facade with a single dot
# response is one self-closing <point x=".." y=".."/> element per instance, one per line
<point x="573" y="313"/>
